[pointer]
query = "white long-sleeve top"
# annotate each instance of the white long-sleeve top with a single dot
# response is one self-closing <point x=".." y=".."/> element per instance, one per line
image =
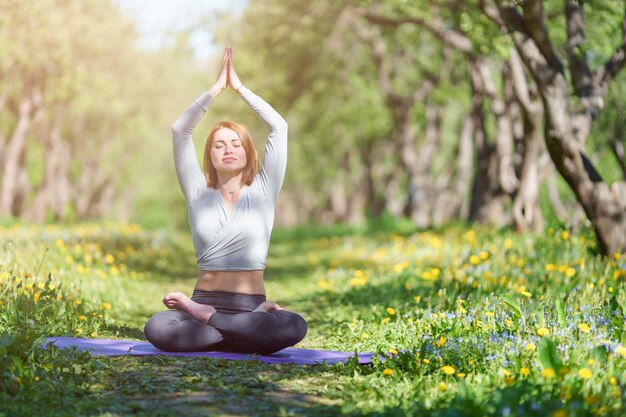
<point x="239" y="240"/>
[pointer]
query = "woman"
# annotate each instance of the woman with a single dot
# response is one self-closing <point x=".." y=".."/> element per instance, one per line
<point x="231" y="213"/>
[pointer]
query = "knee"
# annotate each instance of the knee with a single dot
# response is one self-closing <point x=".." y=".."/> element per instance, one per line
<point x="296" y="327"/>
<point x="158" y="329"/>
<point x="153" y="329"/>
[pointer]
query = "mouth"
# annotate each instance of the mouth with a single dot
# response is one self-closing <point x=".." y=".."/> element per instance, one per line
<point x="228" y="159"/>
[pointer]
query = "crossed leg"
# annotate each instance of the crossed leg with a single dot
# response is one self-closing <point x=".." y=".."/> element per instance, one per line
<point x="191" y="326"/>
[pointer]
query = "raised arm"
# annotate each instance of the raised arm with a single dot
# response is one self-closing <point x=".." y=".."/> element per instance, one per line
<point x="190" y="176"/>
<point x="275" y="159"/>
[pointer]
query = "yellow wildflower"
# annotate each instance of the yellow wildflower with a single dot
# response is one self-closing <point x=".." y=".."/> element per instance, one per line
<point x="82" y="317"/>
<point x="385" y="320"/>
<point x="524" y="371"/>
<point x="489" y="313"/>
<point x="526" y="294"/>
<point x="530" y="346"/>
<point x="364" y="336"/>
<point x="585" y="373"/>
<point x="442" y="386"/>
<point x="388" y="371"/>
<point x="570" y="272"/>
<point x="590" y="361"/>
<point x="550" y="267"/>
<point x="358" y="281"/>
<point x="542" y="331"/>
<point x="474" y="260"/>
<point x="393" y="351"/>
<point x="448" y="370"/>
<point x="324" y="284"/>
<point x="428" y="276"/>
<point x="548" y="373"/>
<point x="426" y="361"/>
<point x="564" y="235"/>
<point x="391" y="311"/>
<point x="621" y="350"/>
<point x="583" y="327"/>
<point x="613" y="380"/>
<point x="4" y="275"/>
<point x="460" y="374"/>
<point x="559" y="413"/>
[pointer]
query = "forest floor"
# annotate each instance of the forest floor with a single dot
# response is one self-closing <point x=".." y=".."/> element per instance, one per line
<point x="472" y="321"/>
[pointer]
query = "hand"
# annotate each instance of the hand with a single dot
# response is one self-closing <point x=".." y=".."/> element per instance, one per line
<point x="222" y="78"/>
<point x="268" y="306"/>
<point x="233" y="78"/>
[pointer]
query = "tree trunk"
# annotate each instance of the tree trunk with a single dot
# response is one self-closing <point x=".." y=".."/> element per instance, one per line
<point x="374" y="205"/>
<point x="566" y="130"/>
<point x="53" y="193"/>
<point x="617" y="147"/>
<point x="13" y="170"/>
<point x="423" y="189"/>
<point x="526" y="211"/>
<point x="487" y="200"/>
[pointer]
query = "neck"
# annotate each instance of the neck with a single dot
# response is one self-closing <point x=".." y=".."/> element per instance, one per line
<point x="229" y="182"/>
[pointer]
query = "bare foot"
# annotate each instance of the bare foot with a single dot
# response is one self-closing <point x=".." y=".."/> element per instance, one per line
<point x="179" y="301"/>
<point x="267" y="306"/>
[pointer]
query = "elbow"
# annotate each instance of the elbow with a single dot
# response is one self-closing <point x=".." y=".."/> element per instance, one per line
<point x="180" y="128"/>
<point x="281" y="126"/>
<point x="176" y="130"/>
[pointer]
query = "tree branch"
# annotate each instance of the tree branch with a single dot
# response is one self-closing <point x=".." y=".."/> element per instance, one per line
<point x="578" y="66"/>
<point x="534" y="21"/>
<point x="510" y="20"/>
<point x="520" y="84"/>
<point x="614" y="64"/>
<point x="451" y="38"/>
<point x="378" y="47"/>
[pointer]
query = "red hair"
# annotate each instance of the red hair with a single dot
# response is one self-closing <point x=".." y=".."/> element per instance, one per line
<point x="252" y="163"/>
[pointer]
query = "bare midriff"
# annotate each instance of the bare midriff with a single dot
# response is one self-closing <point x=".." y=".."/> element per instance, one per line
<point x="244" y="282"/>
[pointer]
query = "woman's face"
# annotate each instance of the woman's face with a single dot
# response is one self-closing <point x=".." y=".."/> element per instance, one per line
<point x="227" y="152"/>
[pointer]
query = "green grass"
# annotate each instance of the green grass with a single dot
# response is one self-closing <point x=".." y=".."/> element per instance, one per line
<point x="470" y="321"/>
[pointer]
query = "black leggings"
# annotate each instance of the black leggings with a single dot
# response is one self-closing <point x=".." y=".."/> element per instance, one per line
<point x="235" y="327"/>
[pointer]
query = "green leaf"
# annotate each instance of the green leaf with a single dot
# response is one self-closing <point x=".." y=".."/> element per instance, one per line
<point x="616" y="314"/>
<point x="600" y="354"/>
<point x="548" y="355"/>
<point x="560" y="313"/>
<point x="512" y="304"/>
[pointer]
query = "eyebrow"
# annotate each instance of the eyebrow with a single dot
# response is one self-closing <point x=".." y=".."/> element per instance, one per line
<point x="224" y="140"/>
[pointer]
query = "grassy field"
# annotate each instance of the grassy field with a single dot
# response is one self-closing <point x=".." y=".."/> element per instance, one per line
<point x="469" y="321"/>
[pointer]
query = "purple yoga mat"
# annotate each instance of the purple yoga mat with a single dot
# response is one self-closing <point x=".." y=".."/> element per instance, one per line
<point x="107" y="347"/>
